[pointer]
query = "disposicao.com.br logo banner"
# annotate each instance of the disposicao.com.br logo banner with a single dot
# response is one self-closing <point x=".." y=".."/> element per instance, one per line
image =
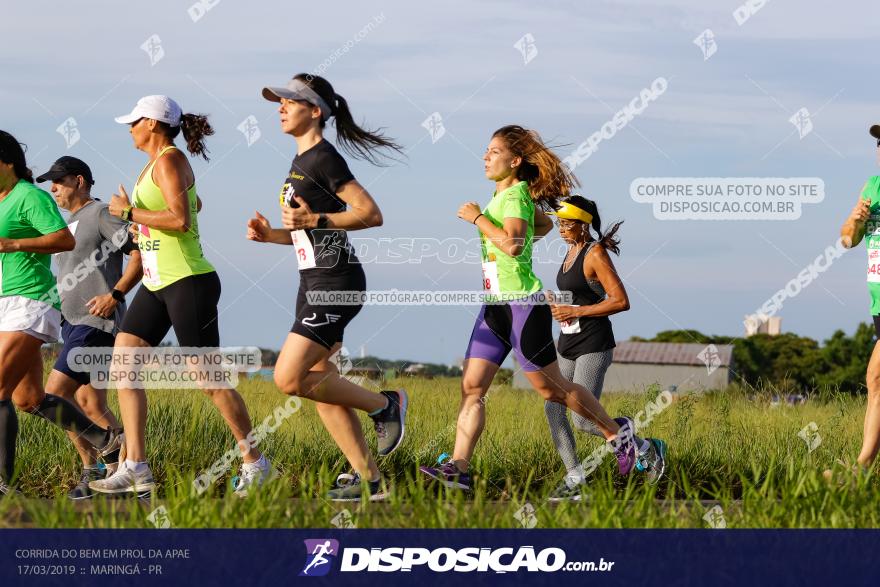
<point x="321" y="552"/>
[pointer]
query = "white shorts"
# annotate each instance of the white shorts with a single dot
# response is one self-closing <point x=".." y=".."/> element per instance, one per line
<point x="38" y="319"/>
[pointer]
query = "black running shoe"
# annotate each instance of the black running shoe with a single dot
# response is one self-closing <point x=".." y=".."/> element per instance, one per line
<point x="390" y="422"/>
<point x="81" y="490"/>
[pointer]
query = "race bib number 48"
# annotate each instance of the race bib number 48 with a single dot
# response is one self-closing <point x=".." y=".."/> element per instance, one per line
<point x="873" y="265"/>
<point x="490" y="278"/>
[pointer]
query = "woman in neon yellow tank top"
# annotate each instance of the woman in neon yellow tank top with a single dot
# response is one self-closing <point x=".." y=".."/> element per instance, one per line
<point x="180" y="287"/>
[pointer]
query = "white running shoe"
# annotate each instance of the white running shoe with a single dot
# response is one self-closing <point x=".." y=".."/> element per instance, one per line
<point x="253" y="475"/>
<point x="125" y="480"/>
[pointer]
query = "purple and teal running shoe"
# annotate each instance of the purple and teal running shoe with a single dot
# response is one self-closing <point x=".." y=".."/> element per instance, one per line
<point x="624" y="446"/>
<point x="448" y="474"/>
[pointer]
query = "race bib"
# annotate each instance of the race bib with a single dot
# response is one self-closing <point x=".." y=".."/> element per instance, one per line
<point x="305" y="252"/>
<point x="873" y="265"/>
<point x="572" y="326"/>
<point x="149" y="259"/>
<point x="490" y="278"/>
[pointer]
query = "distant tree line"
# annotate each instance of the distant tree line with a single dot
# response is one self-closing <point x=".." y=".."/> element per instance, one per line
<point x="792" y="363"/>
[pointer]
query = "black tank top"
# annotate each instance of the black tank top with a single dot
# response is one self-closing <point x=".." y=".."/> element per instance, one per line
<point x="587" y="334"/>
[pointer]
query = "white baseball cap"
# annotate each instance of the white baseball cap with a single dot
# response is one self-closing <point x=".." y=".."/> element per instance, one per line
<point x="157" y="107"/>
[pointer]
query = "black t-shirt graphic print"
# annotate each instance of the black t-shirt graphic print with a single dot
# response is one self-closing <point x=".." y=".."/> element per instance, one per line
<point x="315" y="176"/>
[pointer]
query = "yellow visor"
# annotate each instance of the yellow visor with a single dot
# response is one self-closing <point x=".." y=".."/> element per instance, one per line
<point x="572" y="212"/>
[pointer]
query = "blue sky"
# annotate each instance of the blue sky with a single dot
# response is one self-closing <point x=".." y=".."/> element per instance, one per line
<point x="727" y="116"/>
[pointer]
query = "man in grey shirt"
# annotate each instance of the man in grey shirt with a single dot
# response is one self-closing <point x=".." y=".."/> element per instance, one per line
<point x="92" y="286"/>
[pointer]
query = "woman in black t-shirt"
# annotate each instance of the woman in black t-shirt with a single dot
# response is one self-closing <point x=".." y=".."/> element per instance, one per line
<point x="320" y="201"/>
<point x="586" y="342"/>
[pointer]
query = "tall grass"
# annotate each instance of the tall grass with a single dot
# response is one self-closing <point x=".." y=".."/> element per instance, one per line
<point x="726" y="448"/>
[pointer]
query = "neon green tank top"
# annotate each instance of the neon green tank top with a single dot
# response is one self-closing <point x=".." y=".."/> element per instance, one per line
<point x="167" y="256"/>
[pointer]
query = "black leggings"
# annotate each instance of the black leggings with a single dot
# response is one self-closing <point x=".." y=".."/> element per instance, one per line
<point x="189" y="305"/>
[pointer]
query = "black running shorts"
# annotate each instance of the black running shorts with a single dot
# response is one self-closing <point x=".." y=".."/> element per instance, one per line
<point x="325" y="324"/>
<point x="189" y="305"/>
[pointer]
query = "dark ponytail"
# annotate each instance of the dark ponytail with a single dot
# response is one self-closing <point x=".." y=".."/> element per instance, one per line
<point x="355" y="140"/>
<point x="12" y="152"/>
<point x="195" y="128"/>
<point x="608" y="240"/>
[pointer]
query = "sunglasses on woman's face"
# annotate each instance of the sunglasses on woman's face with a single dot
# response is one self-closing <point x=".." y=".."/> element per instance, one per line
<point x="878" y="142"/>
<point x="566" y="224"/>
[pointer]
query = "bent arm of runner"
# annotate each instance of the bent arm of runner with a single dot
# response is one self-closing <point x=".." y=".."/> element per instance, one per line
<point x="853" y="230"/>
<point x="54" y="242"/>
<point x="168" y="173"/>
<point x="105" y="304"/>
<point x="616" y="300"/>
<point x="259" y="230"/>
<point x="362" y="212"/>
<point x="133" y="273"/>
<point x="509" y="238"/>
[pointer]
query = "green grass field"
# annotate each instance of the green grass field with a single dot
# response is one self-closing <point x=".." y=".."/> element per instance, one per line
<point x="726" y="449"/>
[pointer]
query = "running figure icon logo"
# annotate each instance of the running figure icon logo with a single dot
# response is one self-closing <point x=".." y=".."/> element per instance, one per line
<point x="527" y="48"/>
<point x="434" y="125"/>
<point x="332" y="245"/>
<point x="153" y="48"/>
<point x="706" y="43"/>
<point x="70" y="131"/>
<point x="802" y="122"/>
<point x="319" y="554"/>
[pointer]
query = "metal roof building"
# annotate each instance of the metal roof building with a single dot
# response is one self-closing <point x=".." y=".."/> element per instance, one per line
<point x="638" y="365"/>
<point x="687" y="366"/>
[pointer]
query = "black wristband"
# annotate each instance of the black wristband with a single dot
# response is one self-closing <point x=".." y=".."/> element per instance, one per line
<point x="322" y="220"/>
<point x="117" y="295"/>
<point x="478" y="217"/>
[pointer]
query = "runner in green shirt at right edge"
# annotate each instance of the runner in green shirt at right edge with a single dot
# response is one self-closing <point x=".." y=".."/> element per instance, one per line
<point x="516" y="317"/>
<point x="864" y="222"/>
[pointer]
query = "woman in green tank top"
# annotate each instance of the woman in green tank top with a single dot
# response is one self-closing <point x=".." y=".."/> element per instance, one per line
<point x="180" y="287"/>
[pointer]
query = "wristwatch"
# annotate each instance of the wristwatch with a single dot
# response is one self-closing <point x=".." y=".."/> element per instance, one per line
<point x="322" y="220"/>
<point x="117" y="295"/>
<point x="126" y="213"/>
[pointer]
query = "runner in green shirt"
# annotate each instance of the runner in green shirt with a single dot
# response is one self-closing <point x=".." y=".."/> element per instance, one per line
<point x="527" y="176"/>
<point x="512" y="274"/>
<point x="864" y="223"/>
<point x="31" y="229"/>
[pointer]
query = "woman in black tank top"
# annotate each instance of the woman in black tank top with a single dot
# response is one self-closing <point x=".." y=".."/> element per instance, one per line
<point x="586" y="341"/>
<point x="585" y="334"/>
<point x="587" y="272"/>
